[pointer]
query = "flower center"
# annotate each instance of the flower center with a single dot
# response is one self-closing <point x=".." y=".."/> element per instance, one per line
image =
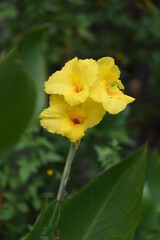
<point x="78" y="89"/>
<point x="77" y="82"/>
<point x="77" y="121"/>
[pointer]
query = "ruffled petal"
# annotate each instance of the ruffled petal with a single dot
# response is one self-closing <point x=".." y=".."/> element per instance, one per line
<point x="94" y="111"/>
<point x="108" y="71"/>
<point x="95" y="91"/>
<point x="74" y="98"/>
<point x="89" y="70"/>
<point x="116" y="100"/>
<point x="51" y="117"/>
<point x="49" y="122"/>
<point x="71" y="131"/>
<point x="59" y="82"/>
<point x="73" y="81"/>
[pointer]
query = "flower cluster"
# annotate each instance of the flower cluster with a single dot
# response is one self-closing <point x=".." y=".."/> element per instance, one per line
<point x="80" y="95"/>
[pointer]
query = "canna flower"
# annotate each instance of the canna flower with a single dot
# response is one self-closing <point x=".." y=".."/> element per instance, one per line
<point x="73" y="81"/>
<point x="71" y="121"/>
<point x="107" y="88"/>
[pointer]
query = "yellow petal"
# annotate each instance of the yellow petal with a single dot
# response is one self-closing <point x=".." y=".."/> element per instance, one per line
<point x="86" y="69"/>
<point x="74" y="98"/>
<point x="71" y="131"/>
<point x="117" y="101"/>
<point x="115" y="105"/>
<point x="59" y="82"/>
<point x="89" y="70"/>
<point x="71" y="121"/>
<point x="119" y="84"/>
<point x="108" y="74"/>
<point x="51" y="117"/>
<point x="49" y="122"/>
<point x="95" y="91"/>
<point x="73" y="81"/>
<point x="107" y="70"/>
<point x="94" y="111"/>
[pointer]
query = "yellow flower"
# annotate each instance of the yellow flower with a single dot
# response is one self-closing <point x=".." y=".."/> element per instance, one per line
<point x="73" y="81"/>
<point x="71" y="121"/>
<point x="106" y="89"/>
<point x="50" y="172"/>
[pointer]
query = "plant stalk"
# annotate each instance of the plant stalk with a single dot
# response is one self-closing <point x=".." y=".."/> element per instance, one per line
<point x="66" y="172"/>
<point x="64" y="179"/>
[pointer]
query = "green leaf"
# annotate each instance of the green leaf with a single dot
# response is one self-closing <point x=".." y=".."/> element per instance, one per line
<point x="108" y="207"/>
<point x="7" y="212"/>
<point x="22" y="207"/>
<point x="31" y="49"/>
<point x="10" y="197"/>
<point x="44" y="227"/>
<point x="35" y="233"/>
<point x="27" y="167"/>
<point x="153" y="177"/>
<point x="7" y="11"/>
<point x="17" y="99"/>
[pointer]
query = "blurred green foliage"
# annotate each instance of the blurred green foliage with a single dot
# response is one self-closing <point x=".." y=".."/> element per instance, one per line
<point x="127" y="30"/>
<point x="149" y="225"/>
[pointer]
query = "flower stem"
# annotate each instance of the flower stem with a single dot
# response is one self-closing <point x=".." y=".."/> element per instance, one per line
<point x="66" y="172"/>
<point x="64" y="180"/>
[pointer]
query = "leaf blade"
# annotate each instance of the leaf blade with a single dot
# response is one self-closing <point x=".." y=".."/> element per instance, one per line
<point x="17" y="100"/>
<point x="99" y="210"/>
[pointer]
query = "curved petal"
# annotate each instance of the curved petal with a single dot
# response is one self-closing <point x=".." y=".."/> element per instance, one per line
<point x="119" y="84"/>
<point x="94" y="111"/>
<point x="89" y="70"/>
<point x="86" y="68"/>
<point x="49" y="122"/>
<point x="73" y="80"/>
<point x="117" y="101"/>
<point x="74" y="98"/>
<point x="115" y="105"/>
<point x="59" y="82"/>
<point x="95" y="91"/>
<point x="108" y="71"/>
<point x="71" y="131"/>
<point x="51" y="117"/>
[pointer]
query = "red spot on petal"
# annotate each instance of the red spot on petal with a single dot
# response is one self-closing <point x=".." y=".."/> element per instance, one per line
<point x="77" y="121"/>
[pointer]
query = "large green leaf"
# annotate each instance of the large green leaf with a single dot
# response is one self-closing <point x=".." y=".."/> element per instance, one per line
<point x="153" y="177"/>
<point x="45" y="227"/>
<point x="17" y="100"/>
<point x="31" y="49"/>
<point x="108" y="207"/>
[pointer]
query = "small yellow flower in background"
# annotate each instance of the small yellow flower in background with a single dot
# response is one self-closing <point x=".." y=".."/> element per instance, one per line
<point x="81" y="93"/>
<point x="73" y="81"/>
<point x="50" y="172"/>
<point x="71" y="121"/>
<point x="106" y="89"/>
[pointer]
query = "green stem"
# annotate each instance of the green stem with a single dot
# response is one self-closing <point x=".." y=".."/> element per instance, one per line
<point x="64" y="179"/>
<point x="66" y="172"/>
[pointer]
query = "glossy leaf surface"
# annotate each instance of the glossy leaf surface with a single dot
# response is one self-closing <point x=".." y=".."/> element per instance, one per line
<point x="108" y="207"/>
